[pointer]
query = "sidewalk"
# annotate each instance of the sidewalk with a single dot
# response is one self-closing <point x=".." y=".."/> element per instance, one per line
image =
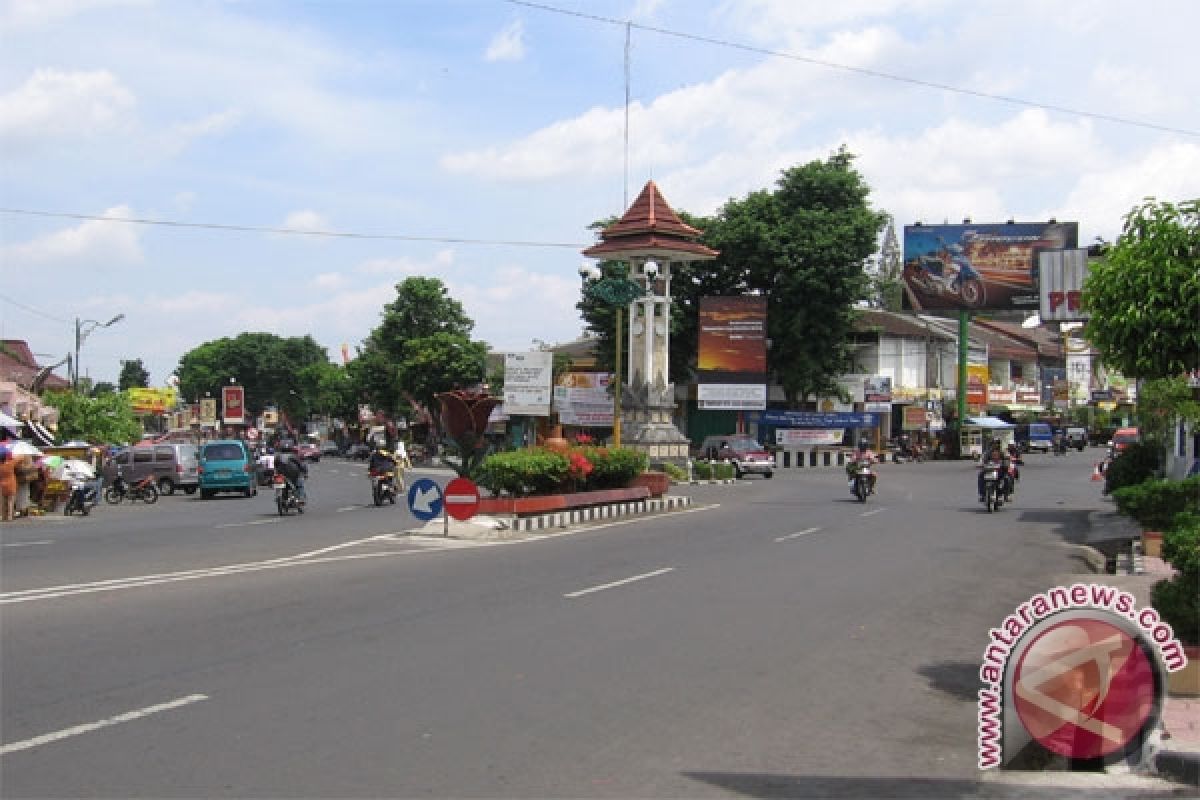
<point x="1178" y="755"/>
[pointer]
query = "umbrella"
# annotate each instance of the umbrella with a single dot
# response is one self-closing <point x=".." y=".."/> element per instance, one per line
<point x="24" y="449"/>
<point x="53" y="462"/>
<point x="79" y="469"/>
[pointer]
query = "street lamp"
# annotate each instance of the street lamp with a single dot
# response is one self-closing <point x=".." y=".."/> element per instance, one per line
<point x="83" y="328"/>
<point x="615" y="292"/>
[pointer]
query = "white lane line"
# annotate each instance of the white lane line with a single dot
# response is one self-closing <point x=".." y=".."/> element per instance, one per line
<point x="804" y="532"/>
<point x="347" y="508"/>
<point x="245" y="524"/>
<point x="872" y="513"/>
<point x="128" y="716"/>
<point x="604" y="586"/>
<point x="28" y="544"/>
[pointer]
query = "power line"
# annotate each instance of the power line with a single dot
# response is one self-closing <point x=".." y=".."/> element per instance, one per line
<point x="171" y="223"/>
<point x="33" y="310"/>
<point x="849" y="68"/>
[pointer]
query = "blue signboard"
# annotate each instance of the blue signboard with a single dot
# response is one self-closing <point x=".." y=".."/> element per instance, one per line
<point x="818" y="419"/>
<point x="424" y="499"/>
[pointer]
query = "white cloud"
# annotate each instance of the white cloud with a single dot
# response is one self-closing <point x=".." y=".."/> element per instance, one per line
<point x="28" y="14"/>
<point x="195" y="301"/>
<point x="92" y="242"/>
<point x="53" y="105"/>
<point x="441" y="262"/>
<point x="508" y="44"/>
<point x="503" y="309"/>
<point x="305" y="220"/>
<point x="329" y="281"/>
<point x="180" y="136"/>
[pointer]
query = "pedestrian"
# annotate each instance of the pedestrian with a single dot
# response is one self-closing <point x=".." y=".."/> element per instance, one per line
<point x="26" y="473"/>
<point x="8" y="486"/>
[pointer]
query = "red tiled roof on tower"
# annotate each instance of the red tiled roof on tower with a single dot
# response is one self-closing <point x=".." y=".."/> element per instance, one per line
<point x="650" y="225"/>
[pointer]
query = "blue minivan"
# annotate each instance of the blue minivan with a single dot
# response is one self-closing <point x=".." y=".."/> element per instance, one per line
<point x="1034" y="436"/>
<point x="226" y="466"/>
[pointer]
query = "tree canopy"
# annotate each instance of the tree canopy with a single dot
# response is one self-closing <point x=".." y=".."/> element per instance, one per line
<point x="133" y="375"/>
<point x="266" y="365"/>
<point x="104" y="419"/>
<point x="422" y="346"/>
<point x="1144" y="295"/>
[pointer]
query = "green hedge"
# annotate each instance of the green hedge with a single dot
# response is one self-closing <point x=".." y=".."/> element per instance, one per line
<point x="1181" y="546"/>
<point x="1155" y="503"/>
<point x="712" y="471"/>
<point x="519" y="473"/>
<point x="1178" y="603"/>
<point x="1135" y="464"/>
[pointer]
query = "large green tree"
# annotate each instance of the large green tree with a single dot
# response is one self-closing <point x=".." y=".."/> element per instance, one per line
<point x="105" y="419"/>
<point x="804" y="246"/>
<point x="1144" y="295"/>
<point x="266" y="365"/>
<point x="133" y="375"/>
<point x="421" y="346"/>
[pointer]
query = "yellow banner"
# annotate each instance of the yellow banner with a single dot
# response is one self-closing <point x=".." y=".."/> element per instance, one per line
<point x="152" y="401"/>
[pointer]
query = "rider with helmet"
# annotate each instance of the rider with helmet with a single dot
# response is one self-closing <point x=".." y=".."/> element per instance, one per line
<point x="295" y="470"/>
<point x="864" y="455"/>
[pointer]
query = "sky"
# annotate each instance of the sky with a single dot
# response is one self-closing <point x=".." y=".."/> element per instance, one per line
<point x="476" y="140"/>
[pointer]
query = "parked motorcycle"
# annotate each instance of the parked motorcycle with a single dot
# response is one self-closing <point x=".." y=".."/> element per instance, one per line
<point x="143" y="490"/>
<point x="383" y="487"/>
<point x="82" y="498"/>
<point x="286" y="499"/>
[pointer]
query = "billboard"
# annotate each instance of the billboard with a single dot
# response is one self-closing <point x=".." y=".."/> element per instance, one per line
<point x="233" y="404"/>
<point x="152" y="401"/>
<point x="974" y="267"/>
<point x="527" y="383"/>
<point x="732" y="358"/>
<point x="1061" y="274"/>
<point x="583" y="399"/>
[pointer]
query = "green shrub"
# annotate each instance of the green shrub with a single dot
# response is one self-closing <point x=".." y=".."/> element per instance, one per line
<point x="723" y="471"/>
<point x="1181" y="546"/>
<point x="1154" y="504"/>
<point x="614" y="467"/>
<point x="702" y="470"/>
<point x="1178" y="603"/>
<point x="674" y="472"/>
<point x="1135" y="464"/>
<point x="524" y="472"/>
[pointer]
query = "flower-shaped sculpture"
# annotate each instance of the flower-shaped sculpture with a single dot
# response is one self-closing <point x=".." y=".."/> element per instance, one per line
<point x="464" y="420"/>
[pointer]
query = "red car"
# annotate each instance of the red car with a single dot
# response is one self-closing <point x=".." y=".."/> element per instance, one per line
<point x="308" y="451"/>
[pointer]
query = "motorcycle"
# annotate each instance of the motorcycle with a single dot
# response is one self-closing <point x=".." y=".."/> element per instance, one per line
<point x="860" y="483"/>
<point x="929" y="273"/>
<point x="82" y="498"/>
<point x="994" y="486"/>
<point x="286" y="499"/>
<point x="143" y="490"/>
<point x="383" y="487"/>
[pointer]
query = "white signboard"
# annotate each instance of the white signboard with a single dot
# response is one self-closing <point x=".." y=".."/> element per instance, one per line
<point x="808" y="437"/>
<point x="583" y="399"/>
<point x="1061" y="274"/>
<point x="732" y="396"/>
<point x="527" y="383"/>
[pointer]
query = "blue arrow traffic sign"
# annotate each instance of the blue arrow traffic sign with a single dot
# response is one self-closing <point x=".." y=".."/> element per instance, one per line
<point x="424" y="499"/>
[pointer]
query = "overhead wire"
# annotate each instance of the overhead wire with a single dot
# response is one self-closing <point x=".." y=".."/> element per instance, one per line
<point x="873" y="73"/>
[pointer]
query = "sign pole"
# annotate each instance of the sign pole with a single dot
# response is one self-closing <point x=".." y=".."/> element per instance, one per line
<point x="964" y="321"/>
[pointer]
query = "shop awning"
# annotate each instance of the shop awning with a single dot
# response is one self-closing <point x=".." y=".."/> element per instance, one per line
<point x="13" y="424"/>
<point x="988" y="422"/>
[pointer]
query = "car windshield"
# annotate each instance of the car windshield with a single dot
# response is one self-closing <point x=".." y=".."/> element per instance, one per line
<point x="744" y="445"/>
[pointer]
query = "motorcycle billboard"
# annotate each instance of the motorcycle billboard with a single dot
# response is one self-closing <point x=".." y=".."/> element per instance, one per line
<point x="973" y="267"/>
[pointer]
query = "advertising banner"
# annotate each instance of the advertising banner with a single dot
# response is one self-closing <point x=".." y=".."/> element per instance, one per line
<point x="916" y="418"/>
<point x="977" y="384"/>
<point x="975" y="267"/>
<point x="527" y="383"/>
<point x="152" y="401"/>
<point x="731" y="396"/>
<point x="208" y="412"/>
<point x="583" y="399"/>
<point x="818" y="419"/>
<point x="233" y="403"/>
<point x="809" y="437"/>
<point x="998" y="396"/>
<point x="877" y="389"/>
<point x="193" y="414"/>
<point x="732" y="359"/>
<point x="1061" y="274"/>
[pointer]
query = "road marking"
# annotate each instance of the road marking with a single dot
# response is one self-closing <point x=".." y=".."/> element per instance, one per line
<point x="128" y="716"/>
<point x="244" y="524"/>
<point x="804" y="532"/>
<point x="872" y="513"/>
<point x="604" y="586"/>
<point x="348" y="508"/>
<point x="28" y="544"/>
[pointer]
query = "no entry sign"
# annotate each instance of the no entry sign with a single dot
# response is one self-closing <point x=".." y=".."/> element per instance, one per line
<point x="461" y="498"/>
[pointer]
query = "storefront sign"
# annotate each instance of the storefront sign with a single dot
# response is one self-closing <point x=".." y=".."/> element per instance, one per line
<point x="809" y="437"/>
<point x="208" y="412"/>
<point x="1001" y="397"/>
<point x="977" y="385"/>
<point x="527" y="388"/>
<point x="817" y="419"/>
<point x="233" y="404"/>
<point x="731" y="396"/>
<point x="877" y="389"/>
<point x="916" y="418"/>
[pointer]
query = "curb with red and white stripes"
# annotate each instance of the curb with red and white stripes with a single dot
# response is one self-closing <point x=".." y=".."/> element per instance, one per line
<point x="564" y="519"/>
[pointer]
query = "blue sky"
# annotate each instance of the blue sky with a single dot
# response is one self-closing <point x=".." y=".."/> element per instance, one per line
<point x="410" y="122"/>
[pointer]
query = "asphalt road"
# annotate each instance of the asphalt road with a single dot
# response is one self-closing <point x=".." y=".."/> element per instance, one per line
<point x="777" y="639"/>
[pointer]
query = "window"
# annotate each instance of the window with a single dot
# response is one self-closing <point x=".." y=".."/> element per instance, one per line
<point x="143" y="456"/>
<point x="164" y="454"/>
<point x="224" y="452"/>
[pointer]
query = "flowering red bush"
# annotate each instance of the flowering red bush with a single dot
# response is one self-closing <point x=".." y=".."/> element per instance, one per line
<point x="579" y="468"/>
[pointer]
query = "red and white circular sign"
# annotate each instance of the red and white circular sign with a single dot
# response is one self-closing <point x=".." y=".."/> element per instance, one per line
<point x="461" y="497"/>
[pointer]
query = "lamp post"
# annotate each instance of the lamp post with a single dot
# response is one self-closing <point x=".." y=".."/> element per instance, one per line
<point x="617" y="293"/>
<point x="83" y="328"/>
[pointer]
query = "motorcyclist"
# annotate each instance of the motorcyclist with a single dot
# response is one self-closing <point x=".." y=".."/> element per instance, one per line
<point x="381" y="461"/>
<point x="995" y="458"/>
<point x="863" y="455"/>
<point x="1014" y="458"/>
<point x="294" y="470"/>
